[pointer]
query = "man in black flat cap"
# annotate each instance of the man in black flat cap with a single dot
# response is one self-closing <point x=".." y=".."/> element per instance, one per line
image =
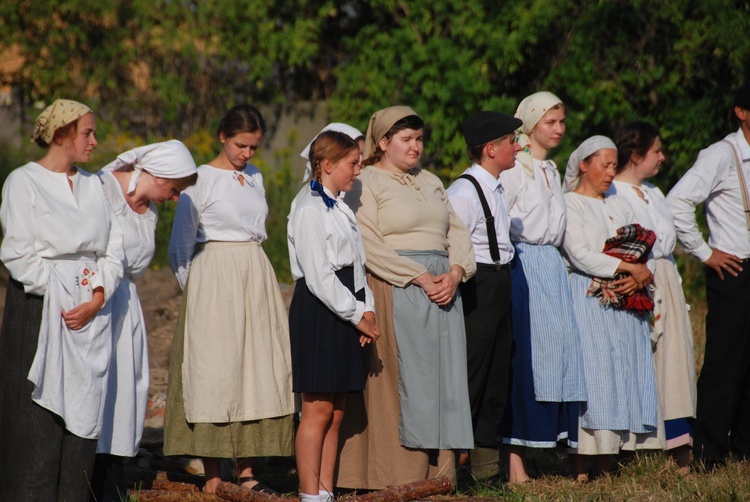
<point x="720" y="177"/>
<point x="477" y="198"/>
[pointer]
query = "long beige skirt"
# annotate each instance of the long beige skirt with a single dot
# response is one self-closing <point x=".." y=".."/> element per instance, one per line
<point x="371" y="456"/>
<point x="674" y="359"/>
<point x="245" y="339"/>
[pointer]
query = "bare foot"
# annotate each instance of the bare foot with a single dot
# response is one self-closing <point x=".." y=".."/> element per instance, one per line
<point x="518" y="480"/>
<point x="582" y="478"/>
<point x="248" y="485"/>
<point x="515" y="461"/>
<point x="211" y="485"/>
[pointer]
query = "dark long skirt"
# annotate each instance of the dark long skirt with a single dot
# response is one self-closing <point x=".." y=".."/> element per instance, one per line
<point x="326" y="355"/>
<point x="528" y="422"/>
<point x="39" y="459"/>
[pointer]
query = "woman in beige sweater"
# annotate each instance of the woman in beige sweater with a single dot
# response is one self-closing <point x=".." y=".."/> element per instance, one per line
<point x="415" y="407"/>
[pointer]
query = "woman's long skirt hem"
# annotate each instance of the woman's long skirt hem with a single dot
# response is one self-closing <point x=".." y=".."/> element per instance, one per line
<point x="371" y="455"/>
<point x="267" y="437"/>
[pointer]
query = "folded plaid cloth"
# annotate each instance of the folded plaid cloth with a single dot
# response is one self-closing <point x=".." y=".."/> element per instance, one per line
<point x="632" y="245"/>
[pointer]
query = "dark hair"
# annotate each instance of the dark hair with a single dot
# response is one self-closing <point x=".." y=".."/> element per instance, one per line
<point x="475" y="151"/>
<point x="241" y="118"/>
<point x="184" y="182"/>
<point x="635" y="138"/>
<point x="408" y="122"/>
<point x="63" y="133"/>
<point x="331" y="145"/>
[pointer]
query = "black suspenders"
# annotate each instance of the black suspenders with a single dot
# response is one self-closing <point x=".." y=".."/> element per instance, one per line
<point x="489" y="219"/>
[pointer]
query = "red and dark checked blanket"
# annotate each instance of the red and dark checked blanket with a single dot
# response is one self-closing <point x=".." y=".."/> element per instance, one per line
<point x="632" y="245"/>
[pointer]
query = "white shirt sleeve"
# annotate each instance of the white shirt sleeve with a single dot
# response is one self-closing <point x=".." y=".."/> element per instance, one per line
<point x="695" y="187"/>
<point x="110" y="265"/>
<point x="308" y="237"/>
<point x="18" y="252"/>
<point x="465" y="203"/>
<point x="184" y="235"/>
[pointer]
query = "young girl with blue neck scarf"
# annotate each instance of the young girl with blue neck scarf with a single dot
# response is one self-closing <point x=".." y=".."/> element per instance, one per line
<point x="332" y="314"/>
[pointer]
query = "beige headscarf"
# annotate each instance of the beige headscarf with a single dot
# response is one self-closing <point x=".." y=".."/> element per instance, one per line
<point x="170" y="159"/>
<point x="588" y="147"/>
<point x="59" y="114"/>
<point x="380" y="122"/>
<point x="530" y="111"/>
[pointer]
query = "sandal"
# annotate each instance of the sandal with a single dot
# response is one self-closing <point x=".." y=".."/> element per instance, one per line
<point x="258" y="486"/>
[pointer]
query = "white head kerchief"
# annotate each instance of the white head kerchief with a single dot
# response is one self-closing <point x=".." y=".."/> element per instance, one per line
<point x="170" y="160"/>
<point x="530" y="111"/>
<point x="334" y="126"/>
<point x="588" y="147"/>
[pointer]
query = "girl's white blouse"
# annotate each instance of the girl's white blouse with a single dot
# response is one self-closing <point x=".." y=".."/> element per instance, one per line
<point x="651" y="212"/>
<point x="43" y="219"/>
<point x="536" y="204"/>
<point x="139" y="241"/>
<point x="217" y="208"/>
<point x="322" y="241"/>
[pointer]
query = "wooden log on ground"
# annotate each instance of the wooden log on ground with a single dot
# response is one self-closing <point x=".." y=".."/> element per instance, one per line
<point x="413" y="491"/>
<point x="172" y="496"/>
<point x="235" y="493"/>
<point x="162" y="482"/>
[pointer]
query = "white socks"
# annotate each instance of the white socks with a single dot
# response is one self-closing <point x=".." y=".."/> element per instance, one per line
<point x="322" y="496"/>
<point x="325" y="496"/>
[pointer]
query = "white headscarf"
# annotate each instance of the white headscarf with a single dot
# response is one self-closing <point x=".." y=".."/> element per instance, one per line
<point x="334" y="126"/>
<point x="170" y="160"/>
<point x="530" y="111"/>
<point x="588" y="147"/>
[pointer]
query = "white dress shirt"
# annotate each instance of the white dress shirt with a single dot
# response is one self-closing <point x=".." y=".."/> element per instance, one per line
<point x="217" y="208"/>
<point x="713" y="178"/>
<point x="536" y="205"/>
<point x="650" y="212"/>
<point x="321" y="242"/>
<point x="465" y="202"/>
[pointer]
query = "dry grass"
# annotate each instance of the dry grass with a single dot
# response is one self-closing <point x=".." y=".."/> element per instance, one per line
<point x="649" y="477"/>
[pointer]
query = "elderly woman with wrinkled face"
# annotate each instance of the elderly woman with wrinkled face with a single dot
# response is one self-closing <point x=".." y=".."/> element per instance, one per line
<point x="621" y="411"/>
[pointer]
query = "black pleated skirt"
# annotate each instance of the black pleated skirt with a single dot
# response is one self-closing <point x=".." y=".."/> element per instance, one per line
<point x="326" y="355"/>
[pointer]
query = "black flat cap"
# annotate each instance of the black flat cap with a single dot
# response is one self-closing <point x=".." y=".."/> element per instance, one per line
<point x="482" y="127"/>
<point x="742" y="98"/>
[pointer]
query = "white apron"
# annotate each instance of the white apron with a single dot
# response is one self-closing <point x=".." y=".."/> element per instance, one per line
<point x="69" y="371"/>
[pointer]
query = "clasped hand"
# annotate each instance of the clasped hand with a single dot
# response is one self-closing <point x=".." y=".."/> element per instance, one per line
<point x="78" y="317"/>
<point x="368" y="328"/>
<point x="639" y="276"/>
<point x="441" y="289"/>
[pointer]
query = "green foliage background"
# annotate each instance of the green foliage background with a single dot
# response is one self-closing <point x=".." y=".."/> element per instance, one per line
<point x="170" y="68"/>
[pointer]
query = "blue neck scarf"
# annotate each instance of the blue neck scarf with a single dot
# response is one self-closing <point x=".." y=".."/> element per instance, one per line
<point x="317" y="186"/>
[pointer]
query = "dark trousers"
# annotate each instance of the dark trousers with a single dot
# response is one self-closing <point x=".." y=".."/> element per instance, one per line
<point x="39" y="459"/>
<point x="486" y="300"/>
<point x="108" y="481"/>
<point x="723" y="416"/>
